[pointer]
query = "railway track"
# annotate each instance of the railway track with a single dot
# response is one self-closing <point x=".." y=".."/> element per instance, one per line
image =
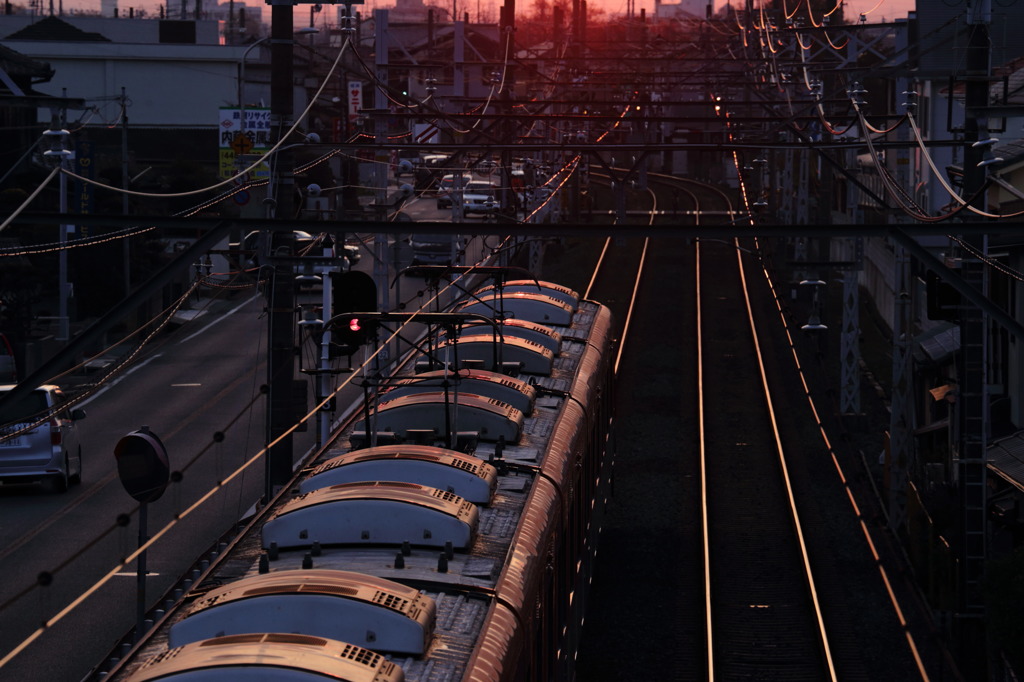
<point x="763" y="616"/>
<point x="702" y="472"/>
<point x="702" y="573"/>
<point x="763" y="619"/>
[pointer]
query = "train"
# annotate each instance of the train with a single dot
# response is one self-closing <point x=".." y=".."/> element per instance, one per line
<point x="448" y="532"/>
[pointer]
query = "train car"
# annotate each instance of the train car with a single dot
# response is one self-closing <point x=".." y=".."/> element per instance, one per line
<point x="404" y="553"/>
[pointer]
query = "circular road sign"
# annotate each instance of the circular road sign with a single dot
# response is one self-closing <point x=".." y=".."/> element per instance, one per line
<point x="142" y="465"/>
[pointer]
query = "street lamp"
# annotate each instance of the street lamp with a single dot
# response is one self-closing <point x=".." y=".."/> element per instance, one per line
<point x="307" y="30"/>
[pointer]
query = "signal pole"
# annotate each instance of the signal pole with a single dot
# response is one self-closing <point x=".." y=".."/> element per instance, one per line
<point x="281" y="303"/>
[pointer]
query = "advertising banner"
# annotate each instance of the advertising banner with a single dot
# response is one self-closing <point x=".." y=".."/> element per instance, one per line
<point x="248" y="139"/>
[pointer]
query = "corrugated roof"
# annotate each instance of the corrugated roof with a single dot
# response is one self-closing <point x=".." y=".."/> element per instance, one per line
<point x="941" y="343"/>
<point x="1006" y="455"/>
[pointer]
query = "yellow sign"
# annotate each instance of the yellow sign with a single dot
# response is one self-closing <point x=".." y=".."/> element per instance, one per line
<point x="229" y="167"/>
<point x="241" y="144"/>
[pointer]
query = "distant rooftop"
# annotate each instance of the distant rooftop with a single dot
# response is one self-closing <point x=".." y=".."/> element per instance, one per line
<point x="54" y="28"/>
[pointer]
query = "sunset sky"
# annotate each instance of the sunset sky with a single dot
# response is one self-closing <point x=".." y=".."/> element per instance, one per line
<point x="878" y="10"/>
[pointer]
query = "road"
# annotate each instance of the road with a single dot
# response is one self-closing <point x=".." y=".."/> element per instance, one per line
<point x="204" y="378"/>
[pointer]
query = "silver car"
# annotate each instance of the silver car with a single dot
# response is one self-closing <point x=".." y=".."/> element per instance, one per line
<point x="479" y="197"/>
<point x="39" y="439"/>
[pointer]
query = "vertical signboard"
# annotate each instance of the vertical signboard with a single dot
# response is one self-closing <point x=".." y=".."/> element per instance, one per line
<point x="355" y="102"/>
<point x="81" y="198"/>
<point x="249" y="138"/>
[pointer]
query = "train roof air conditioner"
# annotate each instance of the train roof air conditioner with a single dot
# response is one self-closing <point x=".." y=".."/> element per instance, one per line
<point x="530" y="306"/>
<point x="492" y="419"/>
<point x="468" y="477"/>
<point x="516" y="392"/>
<point x="350" y="607"/>
<point x="480" y="346"/>
<point x="269" y="657"/>
<point x="523" y="329"/>
<point x="374" y="513"/>
<point x="552" y="289"/>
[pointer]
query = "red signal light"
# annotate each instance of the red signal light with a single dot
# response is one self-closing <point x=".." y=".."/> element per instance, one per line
<point x="353" y="325"/>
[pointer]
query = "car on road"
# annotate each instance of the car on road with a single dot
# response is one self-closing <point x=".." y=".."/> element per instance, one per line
<point x="447" y="189"/>
<point x="435" y="249"/>
<point x="480" y="197"/>
<point x="39" y="439"/>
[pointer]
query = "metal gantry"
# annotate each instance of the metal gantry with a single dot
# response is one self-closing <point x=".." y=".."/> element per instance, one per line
<point x="849" y="339"/>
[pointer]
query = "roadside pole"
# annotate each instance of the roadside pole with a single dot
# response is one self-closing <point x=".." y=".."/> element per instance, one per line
<point x="281" y="308"/>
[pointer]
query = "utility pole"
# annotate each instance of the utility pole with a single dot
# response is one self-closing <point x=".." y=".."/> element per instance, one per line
<point x="125" y="181"/>
<point x="849" y="344"/>
<point x="506" y="29"/>
<point x="281" y="308"/>
<point x="381" y="273"/>
<point x="61" y="155"/>
<point x="903" y="459"/>
<point x="972" y="401"/>
<point x="901" y="452"/>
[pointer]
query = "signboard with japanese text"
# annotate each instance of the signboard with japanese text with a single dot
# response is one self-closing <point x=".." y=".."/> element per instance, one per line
<point x="239" y="139"/>
<point x="355" y="100"/>
<point x="81" y="198"/>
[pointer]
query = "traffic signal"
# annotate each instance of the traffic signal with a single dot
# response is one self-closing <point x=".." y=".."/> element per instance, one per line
<point x="347" y="337"/>
<point x="354" y="292"/>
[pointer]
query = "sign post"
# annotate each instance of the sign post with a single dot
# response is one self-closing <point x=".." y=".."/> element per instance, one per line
<point x="144" y="470"/>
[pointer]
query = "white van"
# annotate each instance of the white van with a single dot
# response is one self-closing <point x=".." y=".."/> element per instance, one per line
<point x="38" y="439"/>
<point x="433" y="160"/>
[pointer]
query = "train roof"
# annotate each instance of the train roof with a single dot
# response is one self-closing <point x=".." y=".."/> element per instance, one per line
<point x="337" y="544"/>
<point x="465" y="475"/>
<point x="523" y="305"/>
<point x="268" y="657"/>
<point x="516" y="392"/>
<point x="356" y="608"/>
<point x="554" y="290"/>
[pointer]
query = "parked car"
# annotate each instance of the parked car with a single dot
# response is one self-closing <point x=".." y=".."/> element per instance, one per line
<point x="39" y="439"/>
